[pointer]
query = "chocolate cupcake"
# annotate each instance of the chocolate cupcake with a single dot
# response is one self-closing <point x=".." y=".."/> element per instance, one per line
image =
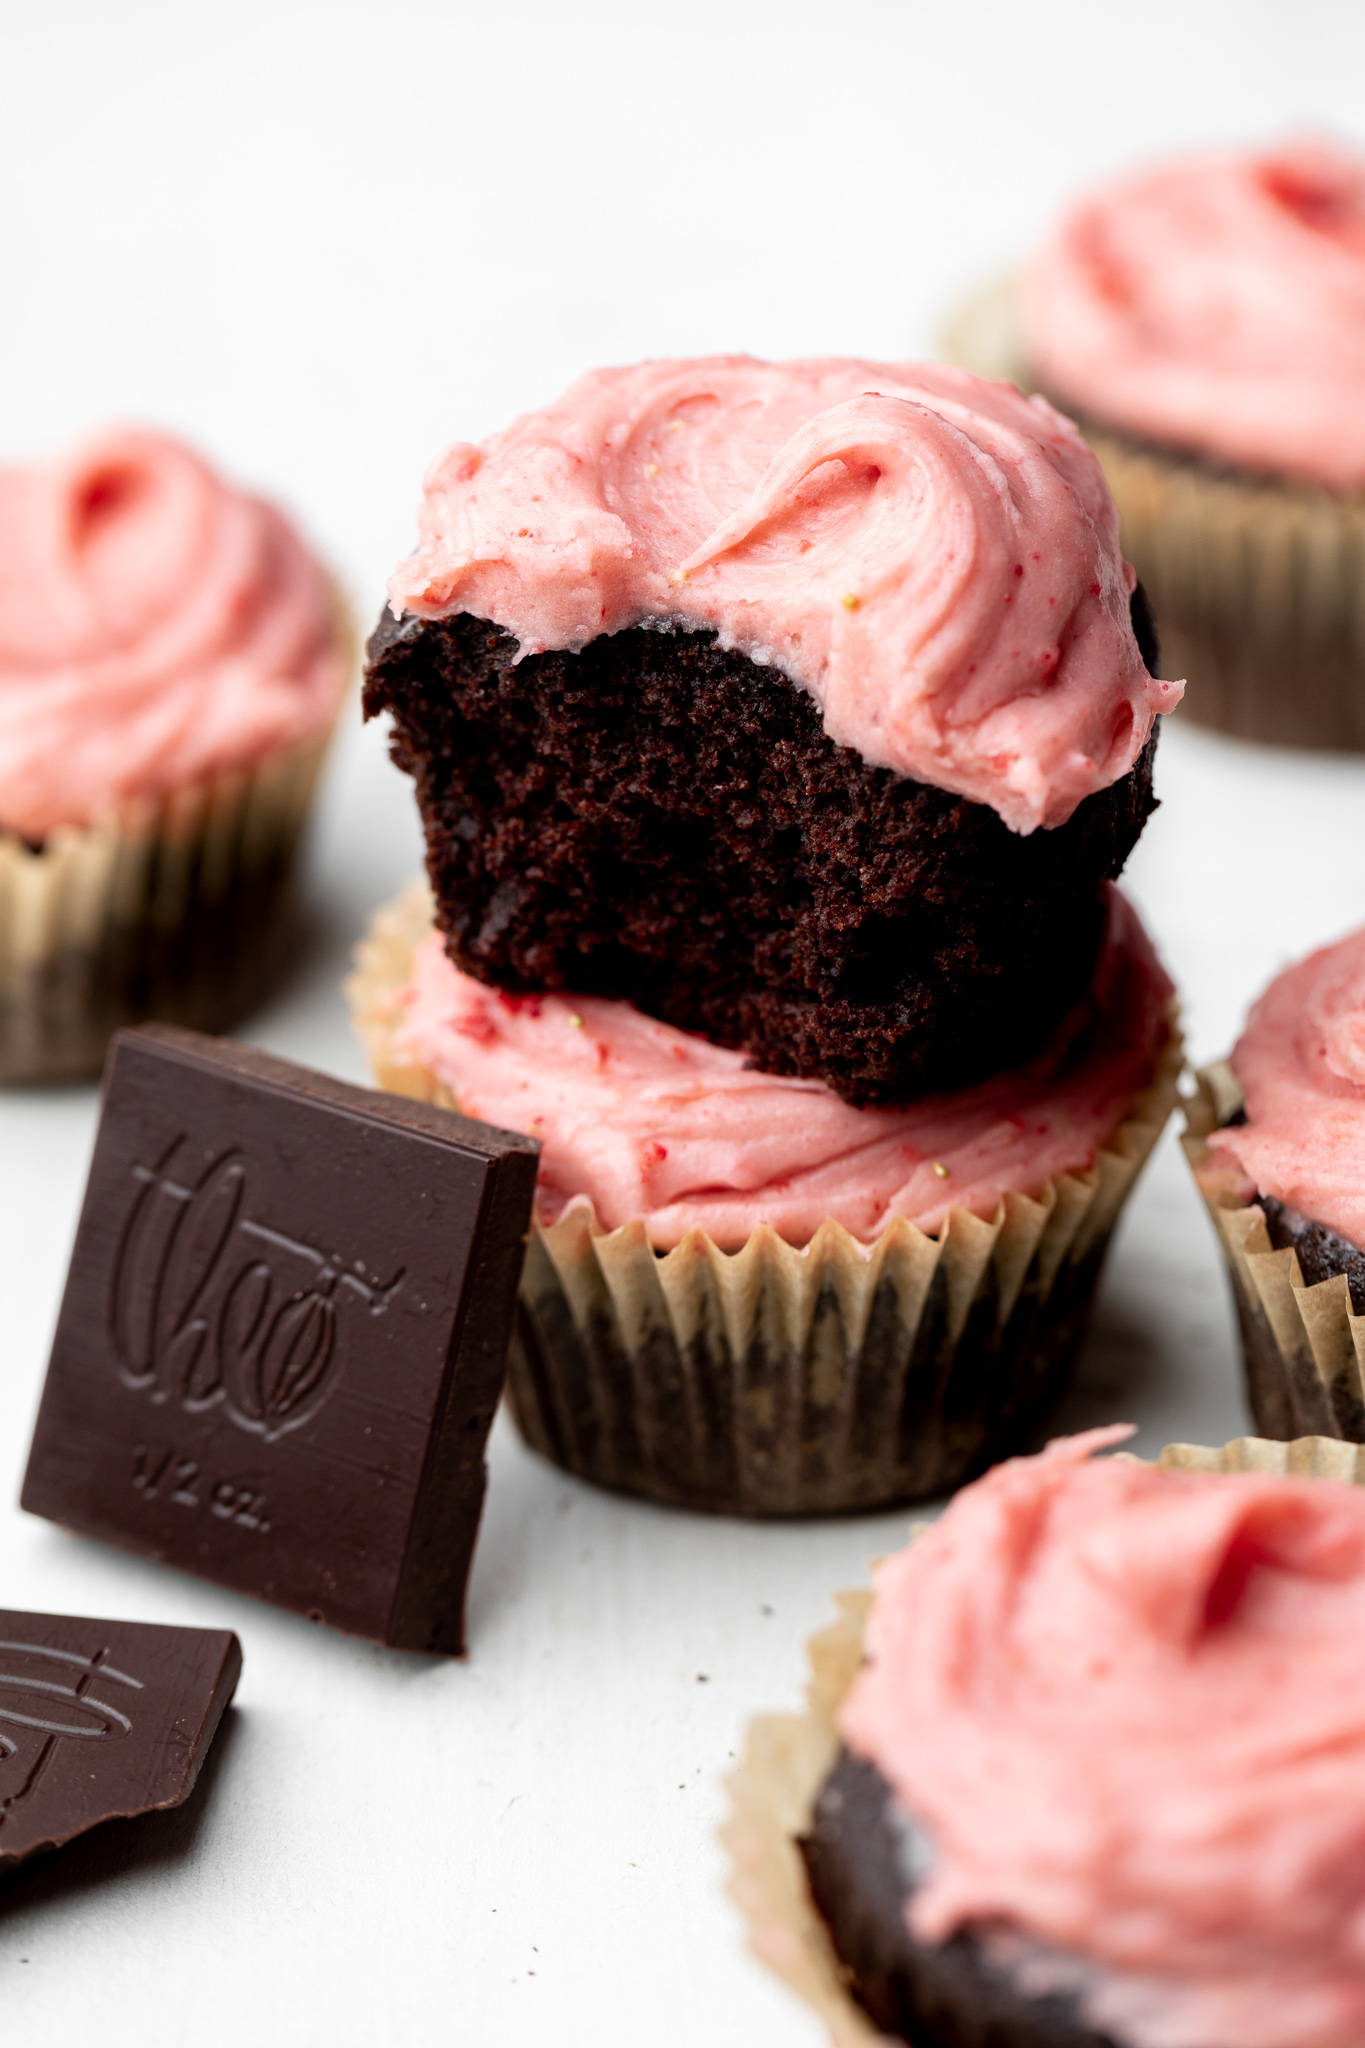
<point x="1205" y="321"/>
<point x="1087" y="1768"/>
<point x="1277" y="1142"/>
<point x="743" y="1293"/>
<point x="798" y="705"/>
<point x="172" y="659"/>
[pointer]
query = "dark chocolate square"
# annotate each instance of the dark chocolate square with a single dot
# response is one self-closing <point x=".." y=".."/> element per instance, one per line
<point x="284" y="1335"/>
<point x="102" y="1720"/>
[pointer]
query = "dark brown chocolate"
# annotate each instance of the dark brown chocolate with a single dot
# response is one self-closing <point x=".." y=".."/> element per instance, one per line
<point x="659" y="819"/>
<point x="102" y="1720"/>
<point x="856" y="1860"/>
<point x="284" y="1335"/>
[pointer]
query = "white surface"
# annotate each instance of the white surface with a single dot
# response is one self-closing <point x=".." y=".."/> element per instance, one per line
<point x="323" y="240"/>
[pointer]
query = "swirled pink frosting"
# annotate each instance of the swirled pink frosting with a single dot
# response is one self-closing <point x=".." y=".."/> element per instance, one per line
<point x="1216" y="303"/>
<point x="651" y="1122"/>
<point x="156" y="626"/>
<point x="1127" y="1706"/>
<point x="933" y="557"/>
<point x="1300" y="1064"/>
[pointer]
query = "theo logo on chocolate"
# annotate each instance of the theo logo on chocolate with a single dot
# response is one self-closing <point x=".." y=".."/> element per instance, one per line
<point x="45" y="1699"/>
<point x="210" y="1306"/>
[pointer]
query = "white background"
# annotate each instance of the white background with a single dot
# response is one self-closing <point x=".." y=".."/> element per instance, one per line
<point x="322" y="241"/>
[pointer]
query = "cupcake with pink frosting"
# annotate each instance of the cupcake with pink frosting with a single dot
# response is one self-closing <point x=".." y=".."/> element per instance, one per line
<point x="172" y="660"/>
<point x="1205" y="320"/>
<point x="1086" y="1769"/>
<point x="745" y="1295"/>
<point x="778" y="731"/>
<point x="1277" y="1142"/>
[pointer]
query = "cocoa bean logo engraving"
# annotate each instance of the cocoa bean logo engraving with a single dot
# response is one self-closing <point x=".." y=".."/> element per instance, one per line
<point x="46" y="1698"/>
<point x="210" y="1305"/>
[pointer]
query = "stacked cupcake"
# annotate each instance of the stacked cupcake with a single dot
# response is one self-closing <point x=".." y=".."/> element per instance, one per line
<point x="779" y="732"/>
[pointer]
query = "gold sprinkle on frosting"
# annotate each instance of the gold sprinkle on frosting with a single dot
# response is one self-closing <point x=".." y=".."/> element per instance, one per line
<point x="850" y="600"/>
<point x="940" y="1169"/>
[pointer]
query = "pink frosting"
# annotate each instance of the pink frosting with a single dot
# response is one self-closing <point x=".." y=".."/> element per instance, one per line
<point x="156" y="626"/>
<point x="648" y="1121"/>
<point x="933" y="557"/>
<point x="1217" y="303"/>
<point x="1127" y="1707"/>
<point x="1301" y="1067"/>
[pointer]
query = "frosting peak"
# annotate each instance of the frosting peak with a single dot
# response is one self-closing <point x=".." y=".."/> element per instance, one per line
<point x="1217" y="303"/>
<point x="1128" y="1708"/>
<point x="156" y="626"/>
<point x="935" y="558"/>
<point x="1300" y="1064"/>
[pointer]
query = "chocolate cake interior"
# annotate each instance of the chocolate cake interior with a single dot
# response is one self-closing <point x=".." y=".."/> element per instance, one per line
<point x="662" y="820"/>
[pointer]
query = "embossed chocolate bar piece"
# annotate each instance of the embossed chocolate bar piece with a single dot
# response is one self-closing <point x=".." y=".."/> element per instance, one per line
<point x="284" y="1335"/>
<point x="102" y="1720"/>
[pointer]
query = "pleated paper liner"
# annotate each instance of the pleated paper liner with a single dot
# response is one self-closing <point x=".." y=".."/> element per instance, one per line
<point x="786" y="1758"/>
<point x="1303" y="1347"/>
<point x="175" y="909"/>
<point x="778" y="1381"/>
<point x="1257" y="585"/>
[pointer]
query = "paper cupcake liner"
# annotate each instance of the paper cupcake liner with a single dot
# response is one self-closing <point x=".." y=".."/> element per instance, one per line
<point x="1257" y="585"/>
<point x="786" y="1758"/>
<point x="175" y="909"/>
<point x="780" y="1381"/>
<point x="1303" y="1347"/>
<point x="772" y="1792"/>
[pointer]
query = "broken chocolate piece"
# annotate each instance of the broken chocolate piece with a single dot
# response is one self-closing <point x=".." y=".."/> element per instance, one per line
<point x="284" y="1335"/>
<point x="102" y="1720"/>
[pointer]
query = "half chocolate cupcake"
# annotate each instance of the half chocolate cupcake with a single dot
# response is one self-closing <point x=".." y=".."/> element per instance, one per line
<point x="808" y="706"/>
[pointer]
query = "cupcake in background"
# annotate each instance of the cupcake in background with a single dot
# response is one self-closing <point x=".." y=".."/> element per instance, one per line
<point x="778" y="730"/>
<point x="746" y="1295"/>
<point x="172" y="661"/>
<point x="1086" y="1769"/>
<point x="1277" y="1142"/>
<point x="1204" y="320"/>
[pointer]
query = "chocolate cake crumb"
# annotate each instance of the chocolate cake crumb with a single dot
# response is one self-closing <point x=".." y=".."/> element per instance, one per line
<point x="661" y="820"/>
